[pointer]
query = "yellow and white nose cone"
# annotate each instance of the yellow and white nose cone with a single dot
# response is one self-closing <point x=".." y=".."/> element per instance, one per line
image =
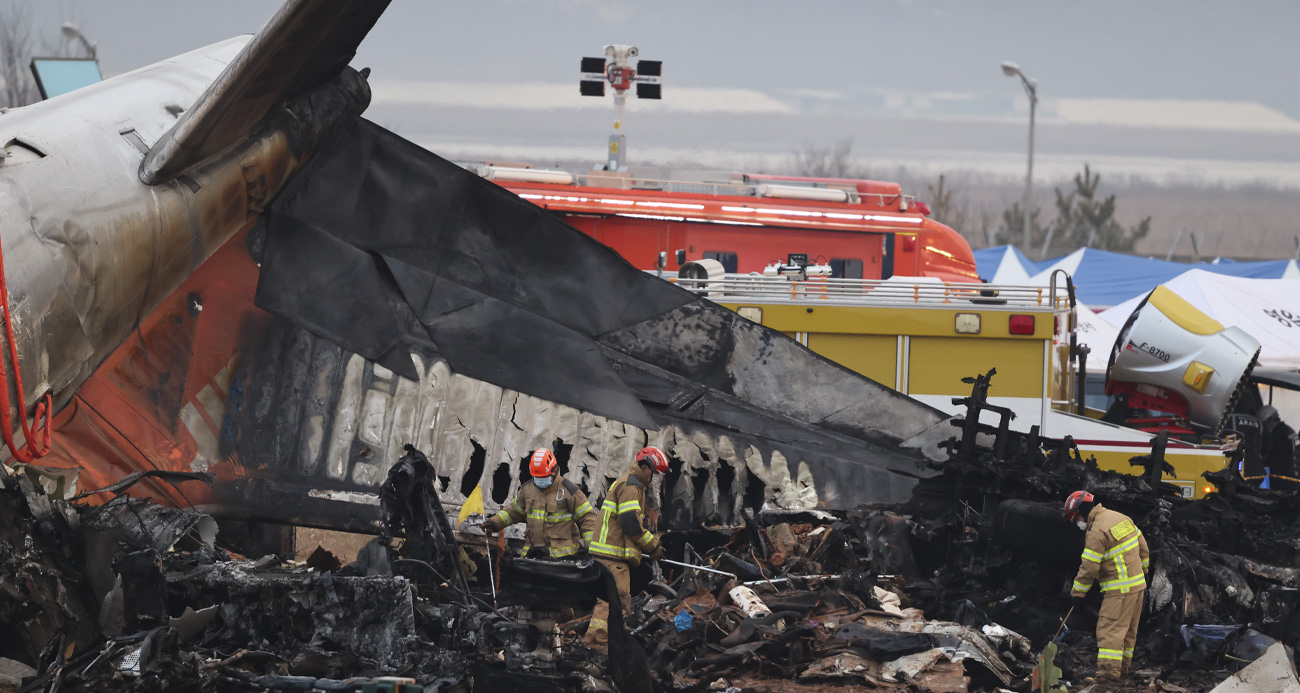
<point x="1169" y="344"/>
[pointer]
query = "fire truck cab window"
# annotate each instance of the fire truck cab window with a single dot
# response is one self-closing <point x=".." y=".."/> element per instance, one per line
<point x="846" y="268"/>
<point x="728" y="260"/>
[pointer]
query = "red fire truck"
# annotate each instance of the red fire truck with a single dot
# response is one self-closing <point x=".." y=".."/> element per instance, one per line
<point x="863" y="229"/>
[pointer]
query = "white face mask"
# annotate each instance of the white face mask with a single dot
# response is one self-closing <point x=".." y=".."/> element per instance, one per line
<point x="1083" y="524"/>
<point x="543" y="481"/>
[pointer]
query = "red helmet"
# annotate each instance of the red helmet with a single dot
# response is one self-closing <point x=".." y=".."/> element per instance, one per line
<point x="542" y="463"/>
<point x="655" y="457"/>
<point x="1073" y="502"/>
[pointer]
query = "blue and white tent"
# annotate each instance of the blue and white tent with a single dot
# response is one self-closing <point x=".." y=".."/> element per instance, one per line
<point x="1103" y="279"/>
<point x="1004" y="264"/>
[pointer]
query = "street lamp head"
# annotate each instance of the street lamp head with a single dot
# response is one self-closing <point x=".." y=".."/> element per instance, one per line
<point x="72" y="32"/>
<point x="1010" y="69"/>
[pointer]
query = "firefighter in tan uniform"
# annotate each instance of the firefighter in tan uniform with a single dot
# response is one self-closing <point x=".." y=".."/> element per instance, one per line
<point x="1115" y="555"/>
<point x="558" y="520"/>
<point x="621" y="535"/>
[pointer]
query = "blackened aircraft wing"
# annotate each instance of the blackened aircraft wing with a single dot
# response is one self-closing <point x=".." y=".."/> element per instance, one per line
<point x="387" y="250"/>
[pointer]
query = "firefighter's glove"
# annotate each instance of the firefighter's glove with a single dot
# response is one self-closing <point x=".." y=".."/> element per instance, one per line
<point x="538" y="552"/>
<point x="1076" y="603"/>
<point x="492" y="525"/>
<point x="657" y="552"/>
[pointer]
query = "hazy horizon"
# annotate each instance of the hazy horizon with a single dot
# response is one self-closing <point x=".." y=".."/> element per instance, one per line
<point x="1175" y="95"/>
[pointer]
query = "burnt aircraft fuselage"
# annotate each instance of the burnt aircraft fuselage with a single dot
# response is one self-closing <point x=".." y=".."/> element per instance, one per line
<point x="381" y="304"/>
<point x="90" y="249"/>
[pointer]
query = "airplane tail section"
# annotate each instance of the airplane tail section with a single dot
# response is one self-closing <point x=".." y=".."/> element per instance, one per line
<point x="306" y="43"/>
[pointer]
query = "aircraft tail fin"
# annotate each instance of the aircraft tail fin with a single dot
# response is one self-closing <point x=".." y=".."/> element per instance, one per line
<point x="306" y="43"/>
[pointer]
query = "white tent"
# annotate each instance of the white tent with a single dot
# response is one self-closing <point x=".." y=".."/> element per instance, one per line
<point x="1098" y="334"/>
<point x="1103" y="279"/>
<point x="1070" y="263"/>
<point x="1011" y="269"/>
<point x="1267" y="309"/>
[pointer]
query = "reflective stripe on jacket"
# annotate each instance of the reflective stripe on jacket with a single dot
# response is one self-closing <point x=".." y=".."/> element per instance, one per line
<point x="621" y="534"/>
<point x="1115" y="554"/>
<point x="552" y="516"/>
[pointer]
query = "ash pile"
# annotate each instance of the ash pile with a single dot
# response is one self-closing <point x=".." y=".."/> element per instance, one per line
<point x="130" y="596"/>
<point x="126" y="595"/>
<point x="959" y="590"/>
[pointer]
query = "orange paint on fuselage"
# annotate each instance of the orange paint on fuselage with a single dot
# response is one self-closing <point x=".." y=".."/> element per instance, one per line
<point x="146" y="407"/>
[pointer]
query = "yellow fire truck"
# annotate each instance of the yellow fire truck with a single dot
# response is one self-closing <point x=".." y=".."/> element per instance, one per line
<point x="921" y="337"/>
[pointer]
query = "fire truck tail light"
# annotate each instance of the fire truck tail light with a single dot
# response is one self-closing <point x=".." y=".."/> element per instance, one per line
<point x="1021" y="324"/>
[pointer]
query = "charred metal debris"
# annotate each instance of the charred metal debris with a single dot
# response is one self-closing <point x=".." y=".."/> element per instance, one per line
<point x="958" y="590"/>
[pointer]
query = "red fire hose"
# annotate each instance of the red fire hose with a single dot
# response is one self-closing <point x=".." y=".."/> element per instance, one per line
<point x="37" y="440"/>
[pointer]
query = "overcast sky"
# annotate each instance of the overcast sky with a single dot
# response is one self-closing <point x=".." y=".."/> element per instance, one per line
<point x="1198" y="86"/>
<point x="1187" y="49"/>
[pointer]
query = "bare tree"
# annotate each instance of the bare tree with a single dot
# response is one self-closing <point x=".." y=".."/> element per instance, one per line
<point x="17" y="88"/>
<point x="944" y="209"/>
<point x="834" y="161"/>
<point x="988" y="228"/>
<point x="1082" y="220"/>
<point x="19" y="41"/>
<point x="1086" y="221"/>
<point x="1011" y="231"/>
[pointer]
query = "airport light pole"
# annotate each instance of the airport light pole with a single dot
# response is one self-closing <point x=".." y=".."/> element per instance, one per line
<point x="73" y="33"/>
<point x="1011" y="69"/>
<point x="618" y="73"/>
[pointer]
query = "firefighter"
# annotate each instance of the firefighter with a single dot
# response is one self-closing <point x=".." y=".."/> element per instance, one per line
<point x="1115" y="555"/>
<point x="552" y="508"/>
<point x="621" y="535"/>
<point x="1277" y="449"/>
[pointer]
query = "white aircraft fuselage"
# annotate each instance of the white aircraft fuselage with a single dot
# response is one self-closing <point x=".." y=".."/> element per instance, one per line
<point x="90" y="249"/>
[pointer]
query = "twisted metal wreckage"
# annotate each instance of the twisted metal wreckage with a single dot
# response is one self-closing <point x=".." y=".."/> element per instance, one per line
<point x="262" y="291"/>
<point x="953" y="591"/>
